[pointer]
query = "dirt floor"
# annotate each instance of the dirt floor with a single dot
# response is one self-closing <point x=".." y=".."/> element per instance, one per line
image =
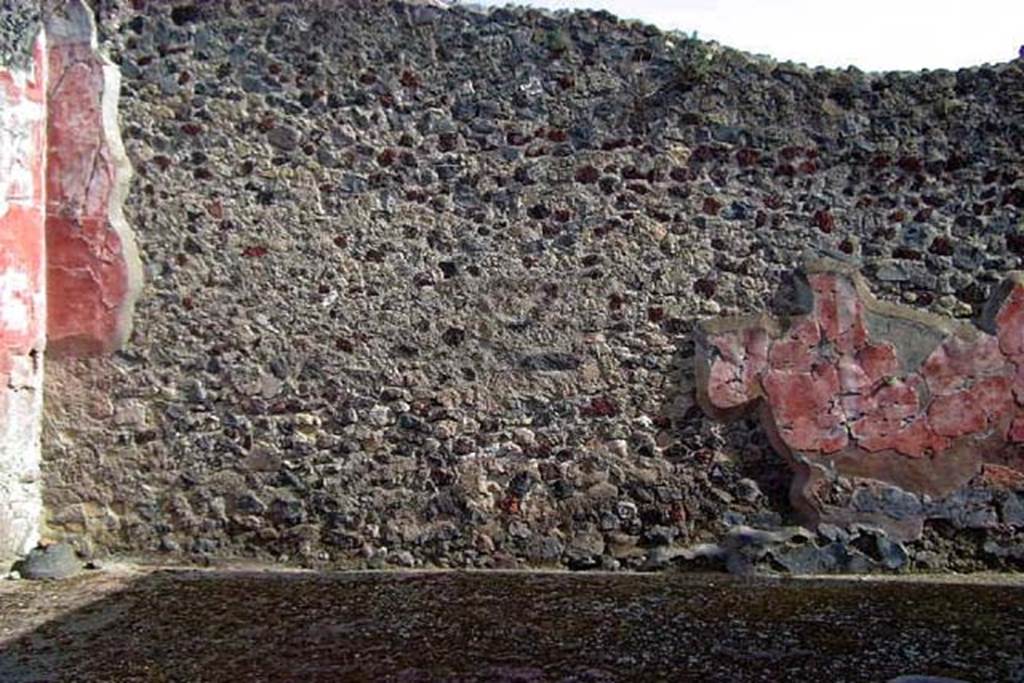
<point x="133" y="623"/>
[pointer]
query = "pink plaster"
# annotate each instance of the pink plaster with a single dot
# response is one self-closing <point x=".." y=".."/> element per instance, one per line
<point x="736" y="370"/>
<point x="1018" y="384"/>
<point x="839" y="312"/>
<point x="830" y="390"/>
<point x="795" y="351"/>
<point x="825" y="375"/>
<point x="956" y="414"/>
<point x="806" y="412"/>
<point x="1015" y="433"/>
<point x="956" y="361"/>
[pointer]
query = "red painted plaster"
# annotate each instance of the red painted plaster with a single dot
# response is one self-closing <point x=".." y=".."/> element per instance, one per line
<point x="833" y="394"/>
<point x="736" y="371"/>
<point x="1010" y="324"/>
<point x="22" y="211"/>
<point x="22" y="187"/>
<point x="807" y="414"/>
<point x="91" y="264"/>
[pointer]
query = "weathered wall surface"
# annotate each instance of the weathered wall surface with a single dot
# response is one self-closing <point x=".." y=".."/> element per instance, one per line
<point x="68" y="266"/>
<point x="888" y="416"/>
<point x="422" y="285"/>
<point x="22" y="278"/>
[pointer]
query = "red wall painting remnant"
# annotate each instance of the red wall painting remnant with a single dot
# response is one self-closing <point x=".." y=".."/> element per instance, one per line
<point x="93" y="270"/>
<point x="862" y="390"/>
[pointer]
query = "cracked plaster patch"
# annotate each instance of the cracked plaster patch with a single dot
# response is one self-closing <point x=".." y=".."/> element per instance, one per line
<point x="839" y="403"/>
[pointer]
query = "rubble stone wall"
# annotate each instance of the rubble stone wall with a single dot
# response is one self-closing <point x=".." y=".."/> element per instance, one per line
<point x="423" y="285"/>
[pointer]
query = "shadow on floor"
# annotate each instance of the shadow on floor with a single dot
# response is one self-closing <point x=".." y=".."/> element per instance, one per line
<point x="267" y="626"/>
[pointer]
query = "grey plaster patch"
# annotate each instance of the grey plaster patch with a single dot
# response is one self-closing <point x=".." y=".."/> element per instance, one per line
<point x="913" y="340"/>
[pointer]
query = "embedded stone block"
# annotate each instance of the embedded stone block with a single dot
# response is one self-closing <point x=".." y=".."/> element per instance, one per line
<point x="93" y="268"/>
<point x="882" y="411"/>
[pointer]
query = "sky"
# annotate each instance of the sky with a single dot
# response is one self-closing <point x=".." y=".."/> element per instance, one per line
<point x="873" y="35"/>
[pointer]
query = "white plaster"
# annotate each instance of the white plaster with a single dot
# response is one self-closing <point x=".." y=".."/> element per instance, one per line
<point x="18" y="120"/>
<point x="21" y="502"/>
<point x="18" y="137"/>
<point x="122" y="181"/>
<point x="21" y="396"/>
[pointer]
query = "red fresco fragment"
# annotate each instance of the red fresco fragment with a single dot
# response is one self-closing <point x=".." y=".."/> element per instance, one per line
<point x="1002" y="478"/>
<point x="796" y="351"/>
<point x="736" y="371"/>
<point x="828" y="387"/>
<point x="956" y="414"/>
<point x="956" y="361"/>
<point x="806" y="412"/>
<point x="90" y="256"/>
<point x="878" y="361"/>
<point x="839" y="311"/>
<point x="1018" y="384"/>
<point x="1015" y="433"/>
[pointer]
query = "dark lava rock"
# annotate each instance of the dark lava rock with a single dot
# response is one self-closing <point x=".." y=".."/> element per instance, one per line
<point x="550" y="361"/>
<point x="184" y="14"/>
<point x="284" y="137"/>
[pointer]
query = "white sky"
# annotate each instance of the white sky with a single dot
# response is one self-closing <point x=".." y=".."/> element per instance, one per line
<point x="873" y="35"/>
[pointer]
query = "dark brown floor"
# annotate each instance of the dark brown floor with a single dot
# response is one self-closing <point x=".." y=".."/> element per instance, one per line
<point x="146" y="625"/>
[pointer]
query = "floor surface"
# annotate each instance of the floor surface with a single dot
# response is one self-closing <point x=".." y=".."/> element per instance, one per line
<point x="130" y="623"/>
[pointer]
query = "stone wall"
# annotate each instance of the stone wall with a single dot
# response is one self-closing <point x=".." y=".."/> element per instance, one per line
<point x="422" y="285"/>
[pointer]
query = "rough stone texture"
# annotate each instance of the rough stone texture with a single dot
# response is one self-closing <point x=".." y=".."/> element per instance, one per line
<point x="422" y="283"/>
<point x="864" y="390"/>
<point x="22" y="300"/>
<point x="19" y="28"/>
<point x="93" y="268"/>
